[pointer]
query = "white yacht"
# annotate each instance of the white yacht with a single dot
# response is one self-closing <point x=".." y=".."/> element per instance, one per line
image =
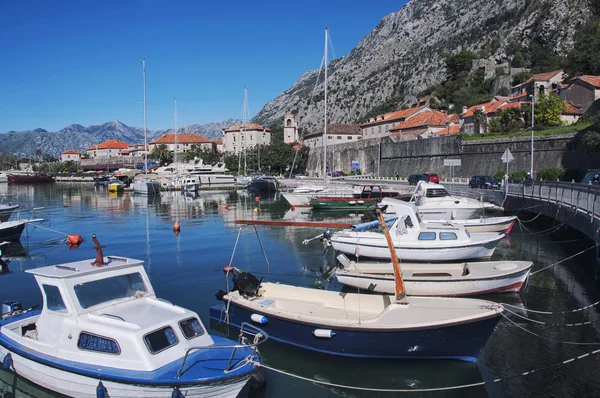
<point x="434" y="202"/>
<point x="212" y="175"/>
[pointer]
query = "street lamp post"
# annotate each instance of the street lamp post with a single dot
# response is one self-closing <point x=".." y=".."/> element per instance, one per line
<point x="532" y="128"/>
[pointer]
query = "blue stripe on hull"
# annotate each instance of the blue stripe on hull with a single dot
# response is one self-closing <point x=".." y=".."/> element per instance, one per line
<point x="464" y="342"/>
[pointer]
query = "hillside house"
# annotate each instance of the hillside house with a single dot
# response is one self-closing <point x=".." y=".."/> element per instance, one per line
<point x="241" y="136"/>
<point x="469" y="122"/>
<point x="336" y="134"/>
<point x="582" y="92"/>
<point x="71" y="154"/>
<point x="107" y="149"/>
<point x="540" y="83"/>
<point x="218" y="145"/>
<point x="134" y="151"/>
<point x="425" y="125"/>
<point x="380" y="125"/>
<point x="182" y="143"/>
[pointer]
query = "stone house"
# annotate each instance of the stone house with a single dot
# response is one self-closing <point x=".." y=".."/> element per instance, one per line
<point x="107" y="149"/>
<point x="241" y="136"/>
<point x="380" y="125"/>
<point x="582" y="92"/>
<point x="469" y="123"/>
<point x="336" y="134"/>
<point x="539" y="83"/>
<point x="185" y="141"/>
<point x="70" y="155"/>
<point x="425" y="125"/>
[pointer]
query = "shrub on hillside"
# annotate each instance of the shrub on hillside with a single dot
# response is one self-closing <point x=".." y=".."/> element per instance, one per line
<point x="551" y="174"/>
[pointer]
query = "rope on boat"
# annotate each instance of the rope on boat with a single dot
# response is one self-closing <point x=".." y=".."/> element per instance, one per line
<point x="533" y="219"/>
<point x="552" y="324"/>
<point x="587" y="307"/>
<point x="48" y="229"/>
<point x="433" y="389"/>
<point x="263" y="252"/>
<point x="563" y="260"/>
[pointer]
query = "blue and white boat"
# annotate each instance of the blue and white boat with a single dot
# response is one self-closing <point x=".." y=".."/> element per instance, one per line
<point x="102" y="331"/>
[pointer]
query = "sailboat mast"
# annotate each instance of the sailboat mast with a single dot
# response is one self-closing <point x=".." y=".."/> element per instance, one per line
<point x="175" y="122"/>
<point x="244" y="125"/>
<point x="145" y="133"/>
<point x="325" y="126"/>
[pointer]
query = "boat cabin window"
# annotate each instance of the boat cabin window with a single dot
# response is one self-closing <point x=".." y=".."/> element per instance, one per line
<point x="448" y="236"/>
<point x="408" y="222"/>
<point x="108" y="289"/>
<point x="160" y="340"/>
<point x="91" y="342"/>
<point x="191" y="328"/>
<point x="436" y="193"/>
<point x="468" y="233"/>
<point x="427" y="236"/>
<point x="54" y="300"/>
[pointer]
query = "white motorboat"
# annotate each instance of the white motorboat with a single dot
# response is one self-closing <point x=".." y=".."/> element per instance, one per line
<point x="212" y="174"/>
<point x="434" y="202"/>
<point x="103" y="332"/>
<point x="3" y="177"/>
<point x="301" y="195"/>
<point x="416" y="241"/>
<point x="451" y="279"/>
<point x="243" y="180"/>
<point x="185" y="182"/>
<point x="478" y="225"/>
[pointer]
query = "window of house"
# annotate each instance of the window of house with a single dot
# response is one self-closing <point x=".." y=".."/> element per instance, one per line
<point x="448" y="236"/>
<point x="54" y="300"/>
<point x="349" y="137"/>
<point x="191" y="328"/>
<point x="339" y="137"/>
<point x="91" y="342"/>
<point x="160" y="340"/>
<point x="329" y="137"/>
<point x="427" y="236"/>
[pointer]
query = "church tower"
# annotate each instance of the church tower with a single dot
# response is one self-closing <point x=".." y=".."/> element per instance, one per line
<point x="290" y="129"/>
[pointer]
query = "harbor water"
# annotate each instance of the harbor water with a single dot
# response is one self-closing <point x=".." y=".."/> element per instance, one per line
<point x="187" y="269"/>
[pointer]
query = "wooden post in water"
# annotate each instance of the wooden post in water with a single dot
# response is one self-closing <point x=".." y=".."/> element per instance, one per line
<point x="400" y="291"/>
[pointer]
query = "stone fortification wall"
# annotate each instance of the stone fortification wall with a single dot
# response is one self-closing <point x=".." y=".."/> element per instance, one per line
<point x="477" y="157"/>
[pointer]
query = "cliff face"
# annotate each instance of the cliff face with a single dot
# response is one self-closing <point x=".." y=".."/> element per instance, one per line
<point x="403" y="55"/>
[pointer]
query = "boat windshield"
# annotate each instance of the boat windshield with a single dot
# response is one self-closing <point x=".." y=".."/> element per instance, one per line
<point x="108" y="289"/>
<point x="436" y="193"/>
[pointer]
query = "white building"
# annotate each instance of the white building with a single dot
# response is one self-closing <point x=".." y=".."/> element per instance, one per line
<point x="107" y="149"/>
<point x="70" y="155"/>
<point x="290" y="129"/>
<point x="245" y="136"/>
<point x="184" y="142"/>
<point x="336" y="134"/>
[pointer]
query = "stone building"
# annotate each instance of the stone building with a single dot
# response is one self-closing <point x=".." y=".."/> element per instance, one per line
<point x="70" y="155"/>
<point x="336" y="134"/>
<point x="107" y="149"/>
<point x="290" y="129"/>
<point x="241" y="136"/>
<point x="582" y="92"/>
<point x="380" y="125"/>
<point x="425" y="125"/>
<point x="184" y="142"/>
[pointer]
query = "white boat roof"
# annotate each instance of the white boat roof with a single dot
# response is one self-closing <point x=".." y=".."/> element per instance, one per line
<point x="84" y="267"/>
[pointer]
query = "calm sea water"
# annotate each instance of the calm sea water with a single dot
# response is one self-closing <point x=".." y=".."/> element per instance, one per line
<point x="187" y="270"/>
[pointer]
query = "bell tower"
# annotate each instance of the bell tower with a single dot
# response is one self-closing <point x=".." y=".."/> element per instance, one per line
<point x="290" y="129"/>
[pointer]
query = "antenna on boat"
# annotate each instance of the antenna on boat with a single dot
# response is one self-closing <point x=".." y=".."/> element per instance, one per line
<point x="399" y="282"/>
<point x="176" y="226"/>
<point x="145" y="132"/>
<point x="99" y="262"/>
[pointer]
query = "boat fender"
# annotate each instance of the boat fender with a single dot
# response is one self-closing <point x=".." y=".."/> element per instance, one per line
<point x="259" y="319"/>
<point x="7" y="362"/>
<point x="258" y="380"/>
<point x="324" y="333"/>
<point x="352" y="203"/>
<point x="176" y="393"/>
<point x="101" y="391"/>
<point x="361" y="202"/>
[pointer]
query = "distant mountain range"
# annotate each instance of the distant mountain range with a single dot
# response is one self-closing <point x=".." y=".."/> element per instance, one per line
<point x="78" y="137"/>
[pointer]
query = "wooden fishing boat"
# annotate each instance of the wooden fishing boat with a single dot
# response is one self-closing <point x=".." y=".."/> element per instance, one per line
<point x="450" y="279"/>
<point x="103" y="332"/>
<point x="365" y="199"/>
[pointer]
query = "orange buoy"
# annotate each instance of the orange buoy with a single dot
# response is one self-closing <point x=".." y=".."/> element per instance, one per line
<point x="293" y="207"/>
<point x="176" y="226"/>
<point x="74" y="240"/>
<point x="65" y="205"/>
<point x="257" y="198"/>
<point x="225" y="207"/>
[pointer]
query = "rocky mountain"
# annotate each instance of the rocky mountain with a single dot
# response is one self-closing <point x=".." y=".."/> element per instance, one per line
<point x="78" y="137"/>
<point x="403" y="55"/>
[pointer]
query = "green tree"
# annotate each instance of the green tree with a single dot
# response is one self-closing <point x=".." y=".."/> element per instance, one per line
<point x="548" y="109"/>
<point x="521" y="77"/>
<point x="161" y="154"/>
<point x="518" y="61"/>
<point x="459" y="64"/>
<point x="584" y="58"/>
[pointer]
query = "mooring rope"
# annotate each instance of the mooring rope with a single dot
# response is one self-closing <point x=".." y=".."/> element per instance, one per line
<point x="550" y="323"/>
<point x="533" y="219"/>
<point x="587" y="307"/>
<point x="422" y="390"/>
<point x="48" y="229"/>
<point x="563" y="260"/>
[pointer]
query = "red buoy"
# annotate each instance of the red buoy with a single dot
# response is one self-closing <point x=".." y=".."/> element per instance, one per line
<point x="176" y="227"/>
<point x="293" y="207"/>
<point x="228" y="269"/>
<point x="74" y="240"/>
<point x="257" y="198"/>
<point x="225" y="207"/>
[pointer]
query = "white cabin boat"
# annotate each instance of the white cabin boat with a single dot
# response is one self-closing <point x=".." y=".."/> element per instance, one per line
<point x="434" y="202"/>
<point x="416" y="241"/>
<point x="450" y="279"/>
<point x="145" y="186"/>
<point x="102" y="330"/>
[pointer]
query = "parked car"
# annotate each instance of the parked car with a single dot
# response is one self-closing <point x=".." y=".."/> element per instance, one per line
<point x="338" y="174"/>
<point x="414" y="179"/>
<point x="484" y="182"/>
<point x="433" y="178"/>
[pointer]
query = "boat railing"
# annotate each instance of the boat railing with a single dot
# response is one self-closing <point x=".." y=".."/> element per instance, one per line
<point x="247" y="333"/>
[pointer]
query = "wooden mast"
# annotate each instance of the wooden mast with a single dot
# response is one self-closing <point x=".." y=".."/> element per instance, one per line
<point x="400" y="291"/>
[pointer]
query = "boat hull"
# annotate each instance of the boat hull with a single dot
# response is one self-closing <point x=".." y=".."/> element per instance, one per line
<point x="463" y="341"/>
<point x="29" y="179"/>
<point x="12" y="232"/>
<point x="343" y="204"/>
<point x="146" y="187"/>
<point x="6" y="211"/>
<point x="422" y="254"/>
<point x="446" y="288"/>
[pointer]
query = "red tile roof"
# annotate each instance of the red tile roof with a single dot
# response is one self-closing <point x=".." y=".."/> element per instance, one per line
<point x="512" y="105"/>
<point x="348" y="129"/>
<point x="451" y="130"/>
<point x="110" y="144"/>
<point x="546" y="76"/>
<point x="490" y="107"/>
<point x="391" y="116"/>
<point x="524" y="95"/>
<point x="218" y="142"/>
<point x="589" y="79"/>
<point x="572" y="110"/>
<point x="413" y="133"/>
<point x="71" y="152"/>
<point x="190" y="138"/>
<point x="247" y="127"/>
<point x="430" y="118"/>
<point x="454" y="118"/>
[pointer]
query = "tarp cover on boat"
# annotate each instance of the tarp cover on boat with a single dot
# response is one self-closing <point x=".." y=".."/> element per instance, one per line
<point x="371" y="224"/>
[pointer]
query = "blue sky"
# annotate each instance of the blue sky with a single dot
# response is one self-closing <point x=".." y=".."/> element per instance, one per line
<point x="66" y="62"/>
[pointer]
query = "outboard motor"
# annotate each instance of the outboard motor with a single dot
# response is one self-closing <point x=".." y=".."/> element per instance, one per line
<point x="246" y="283"/>
<point x="10" y="307"/>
